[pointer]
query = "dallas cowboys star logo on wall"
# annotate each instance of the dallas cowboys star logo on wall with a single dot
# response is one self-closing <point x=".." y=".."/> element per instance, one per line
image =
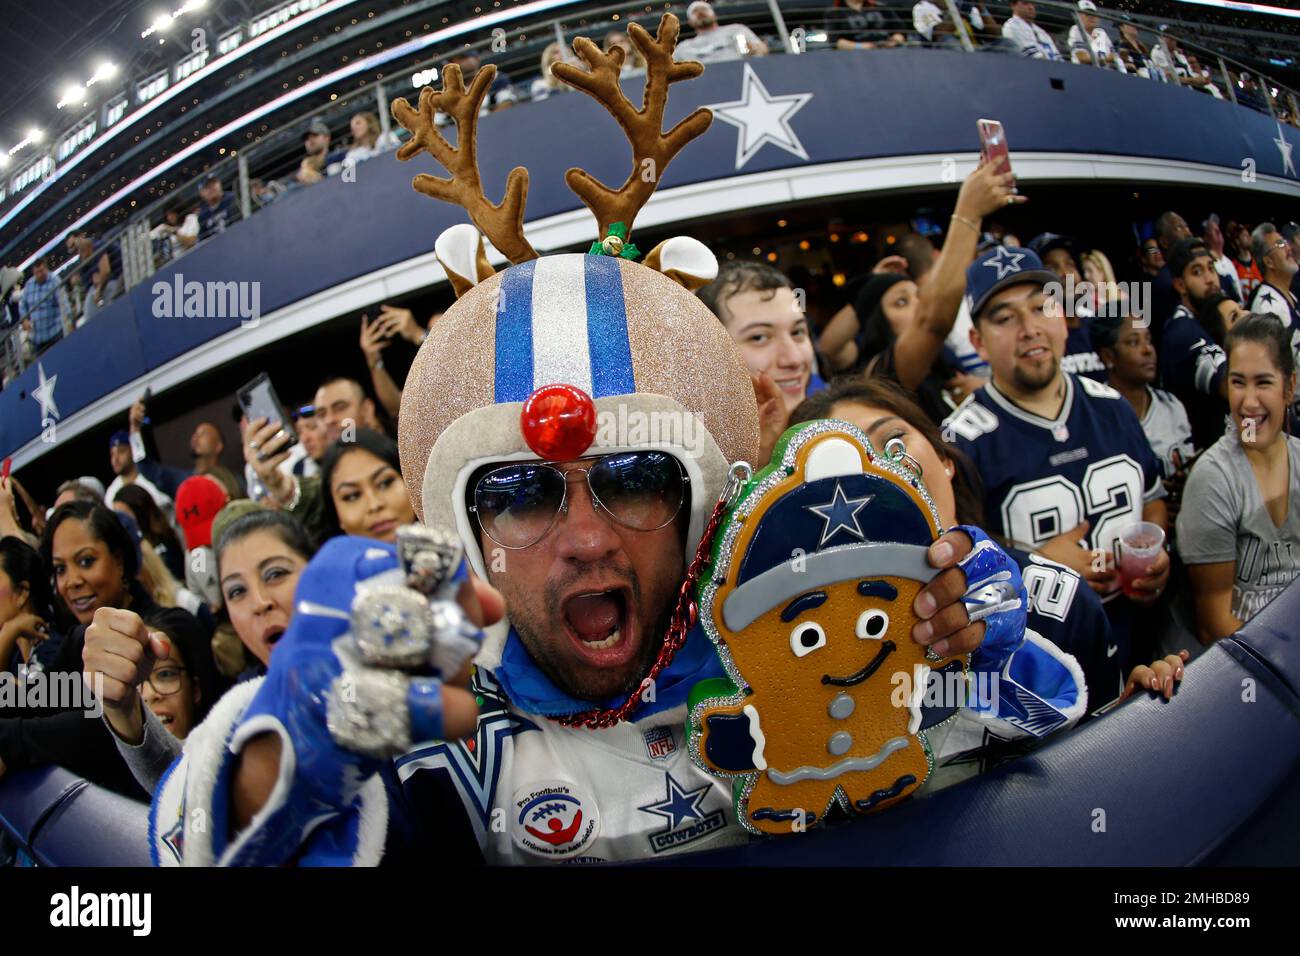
<point x="762" y="118"/>
<point x="1005" y="261"/>
<point x="679" y="804"/>
<point x="44" y="393"/>
<point x="840" y="514"/>
<point x="1284" y="147"/>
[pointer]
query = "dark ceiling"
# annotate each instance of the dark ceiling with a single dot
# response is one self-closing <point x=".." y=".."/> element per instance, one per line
<point x="46" y="44"/>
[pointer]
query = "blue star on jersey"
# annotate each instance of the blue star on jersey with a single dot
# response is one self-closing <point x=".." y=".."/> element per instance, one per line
<point x="840" y="514"/>
<point x="1005" y="261"/>
<point x="679" y="804"/>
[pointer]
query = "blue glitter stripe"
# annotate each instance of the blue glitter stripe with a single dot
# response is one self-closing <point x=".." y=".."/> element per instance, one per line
<point x="514" y="340"/>
<point x="607" y="341"/>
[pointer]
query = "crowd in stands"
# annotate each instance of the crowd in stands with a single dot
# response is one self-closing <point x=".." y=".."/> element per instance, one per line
<point x="1057" y="420"/>
<point x="40" y="311"/>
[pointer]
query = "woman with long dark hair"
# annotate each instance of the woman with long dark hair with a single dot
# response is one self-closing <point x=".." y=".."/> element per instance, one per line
<point x="1239" y="527"/>
<point x="26" y="640"/>
<point x="155" y="527"/>
<point x="93" y="562"/>
<point x="260" y="555"/>
<point x="362" y="489"/>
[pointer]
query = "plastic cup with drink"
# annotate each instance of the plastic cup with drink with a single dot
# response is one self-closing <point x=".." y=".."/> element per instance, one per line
<point x="1136" y="550"/>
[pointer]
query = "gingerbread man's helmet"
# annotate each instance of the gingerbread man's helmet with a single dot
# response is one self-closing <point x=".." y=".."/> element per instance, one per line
<point x="659" y="368"/>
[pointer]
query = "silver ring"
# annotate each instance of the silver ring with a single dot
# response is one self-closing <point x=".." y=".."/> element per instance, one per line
<point x="394" y="627"/>
<point x="366" y="712"/>
<point x="253" y="446"/>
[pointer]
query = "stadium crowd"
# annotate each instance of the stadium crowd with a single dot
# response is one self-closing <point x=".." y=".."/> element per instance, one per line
<point x="1046" y="401"/>
<point x="1130" y="442"/>
<point x="40" y="308"/>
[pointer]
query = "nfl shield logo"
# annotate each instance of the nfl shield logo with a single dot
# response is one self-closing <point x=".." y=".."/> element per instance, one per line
<point x="659" y="742"/>
<point x="1061" y="433"/>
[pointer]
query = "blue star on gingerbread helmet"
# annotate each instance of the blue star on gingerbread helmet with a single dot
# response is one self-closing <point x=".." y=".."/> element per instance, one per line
<point x="843" y="520"/>
<point x="1000" y="268"/>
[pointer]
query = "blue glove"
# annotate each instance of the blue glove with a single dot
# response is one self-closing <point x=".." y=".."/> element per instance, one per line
<point x="338" y="716"/>
<point x="995" y="595"/>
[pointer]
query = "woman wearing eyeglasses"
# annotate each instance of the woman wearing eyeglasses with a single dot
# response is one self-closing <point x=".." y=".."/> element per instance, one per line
<point x="183" y="682"/>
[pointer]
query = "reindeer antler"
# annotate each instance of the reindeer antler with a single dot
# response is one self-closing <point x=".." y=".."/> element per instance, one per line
<point x="502" y="223"/>
<point x="643" y="127"/>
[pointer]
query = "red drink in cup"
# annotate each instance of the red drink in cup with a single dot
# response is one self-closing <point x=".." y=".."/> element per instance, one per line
<point x="1136" y="550"/>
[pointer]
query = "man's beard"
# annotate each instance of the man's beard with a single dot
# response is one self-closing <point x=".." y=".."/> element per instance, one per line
<point x="1031" y="381"/>
<point x="561" y="673"/>
<point x="1198" y="303"/>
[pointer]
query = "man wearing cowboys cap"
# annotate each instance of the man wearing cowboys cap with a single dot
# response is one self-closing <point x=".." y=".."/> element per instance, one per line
<point x="550" y="429"/>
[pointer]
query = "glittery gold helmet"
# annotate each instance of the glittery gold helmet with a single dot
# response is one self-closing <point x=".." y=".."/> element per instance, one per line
<point x="662" y="371"/>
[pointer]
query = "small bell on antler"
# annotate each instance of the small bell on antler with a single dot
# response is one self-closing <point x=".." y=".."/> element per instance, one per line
<point x="615" y="244"/>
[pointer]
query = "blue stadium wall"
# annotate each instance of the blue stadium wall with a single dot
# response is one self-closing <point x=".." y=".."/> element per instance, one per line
<point x="857" y="122"/>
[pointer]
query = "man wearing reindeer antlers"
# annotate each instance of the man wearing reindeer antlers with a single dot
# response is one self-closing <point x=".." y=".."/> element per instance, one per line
<point x="551" y="434"/>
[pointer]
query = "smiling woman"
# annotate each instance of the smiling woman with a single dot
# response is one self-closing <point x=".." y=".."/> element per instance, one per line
<point x="93" y="563"/>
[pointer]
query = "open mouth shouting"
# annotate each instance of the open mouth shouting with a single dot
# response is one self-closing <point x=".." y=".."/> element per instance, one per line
<point x="601" y="626"/>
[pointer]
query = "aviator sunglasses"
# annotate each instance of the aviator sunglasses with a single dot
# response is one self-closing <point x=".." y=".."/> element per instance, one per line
<point x="517" y="505"/>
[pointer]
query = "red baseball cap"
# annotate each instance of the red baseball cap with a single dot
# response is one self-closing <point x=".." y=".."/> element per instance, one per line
<point x="198" y="500"/>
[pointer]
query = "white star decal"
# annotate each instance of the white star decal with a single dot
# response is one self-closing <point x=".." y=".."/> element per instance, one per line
<point x="1005" y="261"/>
<point x="762" y="118"/>
<point x="1284" y="148"/>
<point x="44" y="393"/>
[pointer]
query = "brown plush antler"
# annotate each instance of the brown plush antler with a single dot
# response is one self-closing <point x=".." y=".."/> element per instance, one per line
<point x="502" y="223"/>
<point x="643" y="127"/>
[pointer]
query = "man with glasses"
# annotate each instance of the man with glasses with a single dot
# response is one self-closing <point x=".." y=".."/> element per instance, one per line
<point x="577" y="750"/>
<point x="1277" y="264"/>
<point x="1151" y="258"/>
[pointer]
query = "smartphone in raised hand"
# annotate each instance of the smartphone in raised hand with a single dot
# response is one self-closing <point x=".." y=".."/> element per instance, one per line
<point x="259" y="400"/>
<point x="993" y="145"/>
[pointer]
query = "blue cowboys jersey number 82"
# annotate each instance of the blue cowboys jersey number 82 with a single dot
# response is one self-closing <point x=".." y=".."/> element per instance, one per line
<point x="1043" y="477"/>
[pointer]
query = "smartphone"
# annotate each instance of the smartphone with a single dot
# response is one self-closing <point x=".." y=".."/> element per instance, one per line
<point x="258" y="400"/>
<point x="993" y="145"/>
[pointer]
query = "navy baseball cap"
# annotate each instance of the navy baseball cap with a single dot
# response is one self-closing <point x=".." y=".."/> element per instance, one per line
<point x="1045" y="242"/>
<point x="1000" y="268"/>
<point x="119" y="438"/>
<point x="1184" y="253"/>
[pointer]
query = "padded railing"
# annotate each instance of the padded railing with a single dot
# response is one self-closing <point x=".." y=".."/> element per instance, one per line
<point x="1222" y="759"/>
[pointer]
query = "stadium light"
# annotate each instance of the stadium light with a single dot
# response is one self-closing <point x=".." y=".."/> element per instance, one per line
<point x="35" y="135"/>
<point x="164" y="20"/>
<point x="4" y="158"/>
<point x="74" y="93"/>
<point x="105" y="71"/>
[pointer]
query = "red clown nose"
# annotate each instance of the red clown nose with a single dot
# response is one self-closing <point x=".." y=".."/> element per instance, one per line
<point x="558" y="422"/>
